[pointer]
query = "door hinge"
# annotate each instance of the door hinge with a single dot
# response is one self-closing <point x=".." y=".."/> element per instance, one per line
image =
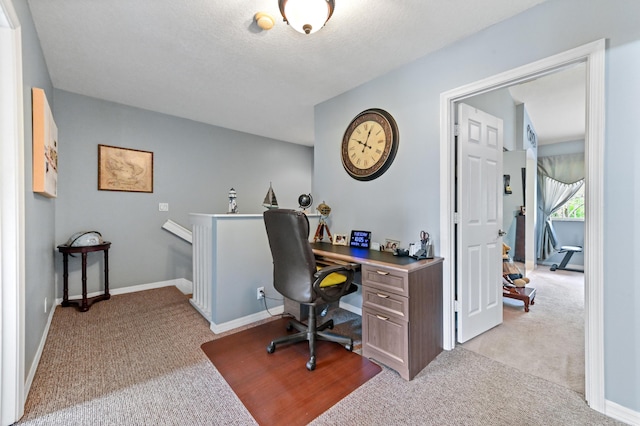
<point x="456" y="306"/>
<point x="456" y="217"/>
<point x="456" y="130"/>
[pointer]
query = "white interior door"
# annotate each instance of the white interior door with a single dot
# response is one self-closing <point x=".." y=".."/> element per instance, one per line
<point x="479" y="206"/>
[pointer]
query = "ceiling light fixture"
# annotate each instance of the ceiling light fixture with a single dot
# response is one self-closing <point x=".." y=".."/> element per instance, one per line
<point x="306" y="16"/>
<point x="264" y="20"/>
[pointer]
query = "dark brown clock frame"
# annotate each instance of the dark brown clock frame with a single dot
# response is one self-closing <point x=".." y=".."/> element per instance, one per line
<point x="391" y="141"/>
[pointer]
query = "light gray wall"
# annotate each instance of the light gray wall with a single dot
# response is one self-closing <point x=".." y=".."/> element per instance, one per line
<point x="39" y="210"/>
<point x="499" y="103"/>
<point x="513" y="163"/>
<point x="405" y="200"/>
<point x="195" y="165"/>
<point x="562" y="148"/>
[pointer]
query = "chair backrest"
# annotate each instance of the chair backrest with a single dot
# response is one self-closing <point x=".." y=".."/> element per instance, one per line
<point x="293" y="261"/>
<point x="553" y="237"/>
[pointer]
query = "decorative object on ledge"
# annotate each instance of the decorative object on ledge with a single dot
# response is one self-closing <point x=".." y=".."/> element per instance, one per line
<point x="306" y="16"/>
<point x="270" y="200"/>
<point x="264" y="20"/>
<point x="233" y="205"/>
<point x="324" y="210"/>
<point x="305" y="201"/>
<point x="124" y="169"/>
<point x="45" y="146"/>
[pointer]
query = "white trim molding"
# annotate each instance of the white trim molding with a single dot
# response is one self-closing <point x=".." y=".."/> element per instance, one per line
<point x="178" y="230"/>
<point x="593" y="55"/>
<point x="12" y="228"/>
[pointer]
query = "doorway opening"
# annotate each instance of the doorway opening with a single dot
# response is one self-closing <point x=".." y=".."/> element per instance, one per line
<point x="542" y="118"/>
<point x="592" y="55"/>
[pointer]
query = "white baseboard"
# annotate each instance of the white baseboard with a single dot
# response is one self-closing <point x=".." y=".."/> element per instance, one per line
<point x="240" y="322"/>
<point x="38" y="355"/>
<point x="278" y="310"/>
<point x="183" y="284"/>
<point x="569" y="266"/>
<point x="620" y="413"/>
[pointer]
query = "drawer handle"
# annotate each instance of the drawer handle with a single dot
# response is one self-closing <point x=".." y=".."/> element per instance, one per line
<point x="384" y="296"/>
<point x="380" y="317"/>
<point x="382" y="272"/>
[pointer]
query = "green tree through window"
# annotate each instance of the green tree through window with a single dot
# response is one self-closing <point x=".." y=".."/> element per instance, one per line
<point x="573" y="208"/>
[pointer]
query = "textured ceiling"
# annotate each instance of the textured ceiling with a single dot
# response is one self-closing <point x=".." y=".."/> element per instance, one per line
<point x="556" y="104"/>
<point x="209" y="62"/>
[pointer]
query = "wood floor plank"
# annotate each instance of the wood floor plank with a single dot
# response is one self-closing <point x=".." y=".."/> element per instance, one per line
<point x="277" y="388"/>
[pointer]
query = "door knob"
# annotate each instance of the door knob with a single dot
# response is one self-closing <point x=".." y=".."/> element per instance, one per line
<point x="501" y="233"/>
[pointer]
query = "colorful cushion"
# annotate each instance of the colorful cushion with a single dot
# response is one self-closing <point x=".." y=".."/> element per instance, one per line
<point x="333" y="278"/>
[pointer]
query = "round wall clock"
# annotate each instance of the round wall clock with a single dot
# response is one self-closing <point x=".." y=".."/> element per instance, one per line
<point x="369" y="144"/>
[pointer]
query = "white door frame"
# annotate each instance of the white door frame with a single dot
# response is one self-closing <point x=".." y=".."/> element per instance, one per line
<point x="12" y="269"/>
<point x="593" y="55"/>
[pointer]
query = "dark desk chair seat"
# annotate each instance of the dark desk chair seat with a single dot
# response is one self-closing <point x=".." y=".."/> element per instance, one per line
<point x="567" y="250"/>
<point x="296" y="277"/>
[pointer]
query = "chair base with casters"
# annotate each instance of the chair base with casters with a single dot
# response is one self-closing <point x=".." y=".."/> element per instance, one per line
<point x="312" y="333"/>
<point x="568" y="253"/>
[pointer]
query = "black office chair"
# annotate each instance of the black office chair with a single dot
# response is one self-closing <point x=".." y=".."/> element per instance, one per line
<point x="296" y="276"/>
<point x="567" y="250"/>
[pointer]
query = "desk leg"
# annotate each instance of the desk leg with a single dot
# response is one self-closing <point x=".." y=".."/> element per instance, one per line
<point x="84" y="306"/>
<point x="65" y="280"/>
<point x="106" y="274"/>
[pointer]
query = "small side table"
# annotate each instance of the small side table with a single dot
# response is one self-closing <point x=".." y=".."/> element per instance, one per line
<point x="84" y="304"/>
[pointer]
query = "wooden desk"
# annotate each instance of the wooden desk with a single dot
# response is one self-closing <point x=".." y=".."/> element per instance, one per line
<point x="84" y="304"/>
<point x="401" y="306"/>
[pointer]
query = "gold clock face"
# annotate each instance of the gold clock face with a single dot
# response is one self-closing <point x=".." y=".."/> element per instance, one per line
<point x="369" y="144"/>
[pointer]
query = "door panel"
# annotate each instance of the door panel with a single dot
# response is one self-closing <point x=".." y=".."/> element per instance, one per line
<point x="479" y="200"/>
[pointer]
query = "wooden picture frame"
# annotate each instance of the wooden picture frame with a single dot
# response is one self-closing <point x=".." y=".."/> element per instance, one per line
<point x="45" y="146"/>
<point x="391" y="245"/>
<point x="124" y="169"/>
<point x="340" y="240"/>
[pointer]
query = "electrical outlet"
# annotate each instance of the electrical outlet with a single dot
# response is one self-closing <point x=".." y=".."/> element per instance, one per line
<point x="260" y="293"/>
<point x="163" y="207"/>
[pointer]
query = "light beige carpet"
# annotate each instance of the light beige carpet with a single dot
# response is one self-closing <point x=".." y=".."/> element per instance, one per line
<point x="547" y="341"/>
<point x="136" y="360"/>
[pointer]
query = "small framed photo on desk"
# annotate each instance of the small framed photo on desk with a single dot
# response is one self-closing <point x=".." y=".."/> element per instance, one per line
<point x="340" y="240"/>
<point x="391" y="245"/>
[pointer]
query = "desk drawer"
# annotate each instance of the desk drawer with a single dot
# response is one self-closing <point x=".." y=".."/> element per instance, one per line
<point x="386" y="280"/>
<point x="385" y="340"/>
<point x="387" y="303"/>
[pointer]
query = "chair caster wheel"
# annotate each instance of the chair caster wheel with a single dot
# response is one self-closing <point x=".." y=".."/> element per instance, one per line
<point x="311" y="364"/>
<point x="553" y="267"/>
<point x="289" y="327"/>
<point x="349" y="347"/>
<point x="271" y="348"/>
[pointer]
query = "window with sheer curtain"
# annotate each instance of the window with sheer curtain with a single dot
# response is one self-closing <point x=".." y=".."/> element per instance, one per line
<point x="573" y="209"/>
<point x="560" y="178"/>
